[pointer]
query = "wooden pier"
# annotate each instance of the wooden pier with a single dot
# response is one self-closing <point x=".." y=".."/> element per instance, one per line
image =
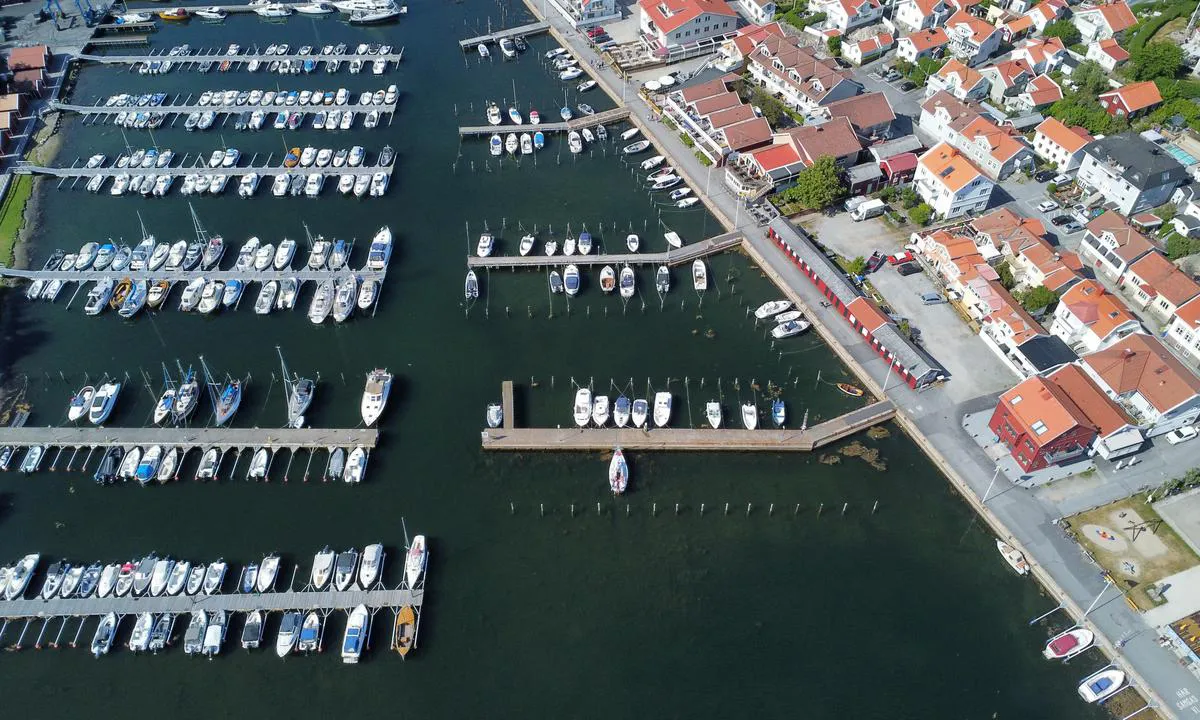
<point x="575" y="439"/>
<point x="673" y="256"/>
<point x="530" y="29"/>
<point x="227" y="438"/>
<point x="578" y="123"/>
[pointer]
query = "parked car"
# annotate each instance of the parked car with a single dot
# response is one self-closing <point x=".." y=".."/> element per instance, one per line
<point x="1061" y="220"/>
<point x="1072" y="227"/>
<point x="907" y="85"/>
<point x="875" y="262"/>
<point x="1047" y="205"/>
<point x="1061" y="179"/>
<point x="907" y="269"/>
<point x="1044" y="176"/>
<point x="932" y="298"/>
<point x="595" y="31"/>
<point x="1183" y="434"/>
<point x="901" y="258"/>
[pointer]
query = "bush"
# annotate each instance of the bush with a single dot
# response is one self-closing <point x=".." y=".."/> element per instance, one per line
<point x="703" y="159"/>
<point x="857" y="266"/>
<point x="921" y="214"/>
<point x="887" y="193"/>
<point x="1155" y="60"/>
<point x="834" y="46"/>
<point x="687" y="139"/>
<point x="1036" y="298"/>
<point x="909" y="198"/>
<point x="1006" y="276"/>
<point x="1051" y="188"/>
<point x="1064" y="30"/>
<point x="1178" y="246"/>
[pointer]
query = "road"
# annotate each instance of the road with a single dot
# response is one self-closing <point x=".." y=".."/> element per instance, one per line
<point x="935" y="416"/>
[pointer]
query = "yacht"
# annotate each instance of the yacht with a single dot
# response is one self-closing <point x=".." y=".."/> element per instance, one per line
<point x="268" y="571"/>
<point x="371" y="567"/>
<point x="252" y="630"/>
<point x="583" y="406"/>
<point x="319" y="254"/>
<point x="712" y="411"/>
<point x="214" y="250"/>
<point x="322" y="302"/>
<point x="284" y="254"/>
<point x="218" y="624"/>
<point x="618" y="473"/>
<point x="186" y="398"/>
<point x="289" y="631"/>
<point x="344" y="298"/>
<point x="81" y="402"/>
<point x="699" y="275"/>
<point x="414" y="562"/>
<point x="266" y="298"/>
<point x="103" y="639"/>
<point x="103" y="401"/>
<point x="139" y="640"/>
<point x="228" y="401"/>
<point x="356" y="635"/>
<point x="356" y="465"/>
<point x="772" y="308"/>
<point x="310" y="633"/>
<point x="367" y="293"/>
<point x="344" y="569"/>
<point x="381" y="249"/>
<point x="486" y="244"/>
<point x="300" y="397"/>
<point x="193" y="638"/>
<point x="662" y="409"/>
<point x="789" y="328"/>
<point x="375" y="395"/>
<point x="322" y="568"/>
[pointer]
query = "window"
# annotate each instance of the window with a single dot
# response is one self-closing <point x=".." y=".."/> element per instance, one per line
<point x="1039" y="427"/>
<point x="1016" y="400"/>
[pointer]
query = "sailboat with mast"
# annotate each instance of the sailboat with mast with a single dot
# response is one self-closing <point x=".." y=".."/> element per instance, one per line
<point x="187" y="397"/>
<point x="166" y="401"/>
<point x="299" y="393"/>
<point x="225" y="397"/>
<point x="213" y="247"/>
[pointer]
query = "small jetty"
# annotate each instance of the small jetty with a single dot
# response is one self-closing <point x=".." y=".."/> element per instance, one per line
<point x="495" y="37"/>
<point x="575" y="439"/>
<point x="673" y="256"/>
<point x="579" y="123"/>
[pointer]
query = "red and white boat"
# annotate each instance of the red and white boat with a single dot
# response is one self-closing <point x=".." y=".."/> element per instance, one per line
<point x="1014" y="557"/>
<point x="1069" y="643"/>
<point x="618" y="472"/>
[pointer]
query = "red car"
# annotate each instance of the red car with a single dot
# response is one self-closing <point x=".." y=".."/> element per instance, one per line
<point x="903" y="257"/>
<point x="595" y="31"/>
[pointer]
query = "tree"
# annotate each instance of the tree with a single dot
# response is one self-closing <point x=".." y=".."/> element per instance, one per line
<point x="1156" y="60"/>
<point x="1036" y="298"/>
<point x="1178" y="246"/>
<point x="909" y="197"/>
<point x="1090" y="78"/>
<point x="857" y="266"/>
<point x="834" y="45"/>
<point x="1065" y="30"/>
<point x="1006" y="276"/>
<point x="887" y="193"/>
<point x="921" y="214"/>
<point x="818" y="185"/>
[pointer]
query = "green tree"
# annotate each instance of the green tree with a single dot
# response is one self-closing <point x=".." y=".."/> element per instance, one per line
<point x="1006" y="276"/>
<point x="1090" y="78"/>
<point x="887" y="193"/>
<point x="1155" y="60"/>
<point x="817" y="186"/>
<point x="1065" y="30"/>
<point x="909" y="197"/>
<point x="1036" y="298"/>
<point x="1166" y="212"/>
<point x="834" y="45"/>
<point x="857" y="266"/>
<point x="921" y="214"/>
<point x="1178" y="246"/>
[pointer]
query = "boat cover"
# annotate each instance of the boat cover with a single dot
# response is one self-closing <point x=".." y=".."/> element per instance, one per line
<point x="1064" y="644"/>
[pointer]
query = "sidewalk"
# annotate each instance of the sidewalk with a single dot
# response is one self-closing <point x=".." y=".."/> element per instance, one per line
<point x="933" y="419"/>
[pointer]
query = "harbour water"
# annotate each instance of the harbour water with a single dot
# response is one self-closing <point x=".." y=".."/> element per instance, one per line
<point x="537" y="604"/>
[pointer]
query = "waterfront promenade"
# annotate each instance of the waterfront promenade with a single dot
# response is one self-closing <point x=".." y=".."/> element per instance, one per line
<point x="933" y="419"/>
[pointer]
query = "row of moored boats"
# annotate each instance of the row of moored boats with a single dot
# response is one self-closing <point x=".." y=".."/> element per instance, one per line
<point x="272" y="58"/>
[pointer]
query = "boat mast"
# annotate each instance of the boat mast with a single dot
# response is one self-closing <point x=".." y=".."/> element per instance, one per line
<point x="209" y="384"/>
<point x="141" y="222"/>
<point x="288" y="384"/>
<point x="201" y="233"/>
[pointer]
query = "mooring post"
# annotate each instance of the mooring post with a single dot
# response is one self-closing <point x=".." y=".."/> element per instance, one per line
<point x="844" y="505"/>
<point x="512" y="509"/>
<point x="797" y="510"/>
<point x="726" y="508"/>
<point x="820" y="509"/>
<point x="771" y="510"/>
<point x="702" y="508"/>
<point x="542" y="509"/>
<point x="748" y="509"/>
<point x="874" y="507"/>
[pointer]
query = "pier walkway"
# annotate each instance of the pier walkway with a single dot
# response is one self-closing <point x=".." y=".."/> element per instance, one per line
<point x="219" y="109"/>
<point x="179" y="171"/>
<point x="530" y="29"/>
<point x="673" y="256"/>
<point x="221" y="56"/>
<point x="671" y="439"/>
<point x="579" y="123"/>
<point x="220" y="437"/>
<point x="303" y="275"/>
<point x="233" y="602"/>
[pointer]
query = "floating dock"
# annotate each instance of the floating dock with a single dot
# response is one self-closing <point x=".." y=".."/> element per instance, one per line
<point x="575" y="439"/>
<point x="269" y="170"/>
<point x="579" y="123"/>
<point x="184" y="109"/>
<point x="530" y="29"/>
<point x="191" y="438"/>
<point x="219" y="56"/>
<point x="674" y="256"/>
<point x="303" y="275"/>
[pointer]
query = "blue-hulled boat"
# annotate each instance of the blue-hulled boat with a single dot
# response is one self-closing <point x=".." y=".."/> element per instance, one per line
<point x="778" y="413"/>
<point x="231" y="398"/>
<point x="539" y="140"/>
<point x="232" y="293"/>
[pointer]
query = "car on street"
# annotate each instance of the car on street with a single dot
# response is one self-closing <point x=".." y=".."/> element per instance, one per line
<point x="900" y="258"/>
<point x="932" y="298"/>
<point x="1044" y="176"/>
<point x="595" y="31"/>
<point x="1061" y="179"/>
<point x="1072" y="227"/>
<point x="907" y="85"/>
<point x="1047" y="206"/>
<point x="909" y="268"/>
<point x="1060" y="220"/>
<point x="1183" y="434"/>
<point x="891" y="75"/>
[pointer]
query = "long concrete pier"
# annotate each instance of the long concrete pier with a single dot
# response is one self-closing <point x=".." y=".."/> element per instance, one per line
<point x="262" y="171"/>
<point x="530" y="29"/>
<point x="578" y="123"/>
<point x="575" y="439"/>
<point x="219" y="109"/>
<point x="304" y="275"/>
<point x="220" y="437"/>
<point x="673" y="256"/>
<point x="219" y="57"/>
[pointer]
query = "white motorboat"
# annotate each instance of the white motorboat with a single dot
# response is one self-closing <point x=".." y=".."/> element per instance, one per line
<point x="103" y="639"/>
<point x="1014" y="557"/>
<point x="618" y="472"/>
<point x="571" y="280"/>
<point x="699" y="275"/>
<point x="627" y="282"/>
<point x="310" y="633"/>
<point x="772" y="308"/>
<point x="575" y="142"/>
<point x="662" y="409"/>
<point x="168" y="465"/>
<point x="356" y="465"/>
<point x="210" y="297"/>
<point x="161" y="574"/>
<point x="139" y="640"/>
<point x="527" y="242"/>
<point x="322" y="302"/>
<point x="1068" y="643"/>
<point x="322" y="568"/>
<point x="380" y="252"/>
<point x="54" y="578"/>
<point x="375" y="395"/>
<point x="608" y="279"/>
<point x="583" y="406"/>
<point x="788" y="316"/>
<point x="367" y="293"/>
<point x="161" y="634"/>
<point x="179" y="577"/>
<point x="218" y="625"/>
<point x="268" y="571"/>
<point x="259" y="464"/>
<point x="1102" y="685"/>
<point x="636" y="147"/>
<point x="621" y="411"/>
<point x="494" y="415"/>
<point x="193" y="637"/>
<point x="414" y="562"/>
<point x="639" y="413"/>
<point x="108" y="580"/>
<point x="345" y="569"/>
<point x="81" y="402"/>
<point x="371" y="567"/>
<point x="750" y="415"/>
<point x="632" y="242"/>
<point x="356" y="635"/>
<point x="289" y="632"/>
<point x="214" y="576"/>
<point x="103" y="401"/>
<point x="652" y="162"/>
<point x="630" y="134"/>
<point x="600" y="410"/>
<point x="70" y="582"/>
<point x="252" y="630"/>
<point x="344" y="297"/>
<point x="129" y="465"/>
<point x="712" y="411"/>
<point x="789" y="328"/>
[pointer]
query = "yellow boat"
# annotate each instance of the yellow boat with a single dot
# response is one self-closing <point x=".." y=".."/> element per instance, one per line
<point x="174" y="14"/>
<point x="405" y="631"/>
<point x="119" y="293"/>
<point x="851" y="390"/>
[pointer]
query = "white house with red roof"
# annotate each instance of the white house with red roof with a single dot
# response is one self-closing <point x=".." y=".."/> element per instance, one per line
<point x="1107" y="53"/>
<point x="922" y="43"/>
<point x="845" y="15"/>
<point x="1060" y="144"/>
<point x="1183" y="333"/>
<point x="671" y="23"/>
<point x="792" y="72"/>
<point x="1046" y="12"/>
<point x="1006" y="79"/>
<point x="758" y="12"/>
<point x="736" y="49"/>
<point x="869" y="49"/>
<point x="1038" y="93"/>
<point x="716" y="118"/>
<point x="914" y="15"/>
<point x="1043" y="55"/>
<point x="1100" y="22"/>
<point x="972" y="39"/>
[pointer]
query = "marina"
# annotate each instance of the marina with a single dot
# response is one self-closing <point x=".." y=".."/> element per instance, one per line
<point x="495" y="37"/>
<point x="194" y="59"/>
<point x="577" y="123"/>
<point x="673" y="256"/>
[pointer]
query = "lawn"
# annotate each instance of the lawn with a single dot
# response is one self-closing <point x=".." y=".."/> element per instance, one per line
<point x="12" y="215"/>
<point x="1133" y="543"/>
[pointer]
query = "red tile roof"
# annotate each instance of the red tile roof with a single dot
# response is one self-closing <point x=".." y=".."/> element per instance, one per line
<point x="979" y="28"/>
<point x="1105" y="414"/>
<point x="1042" y="90"/>
<point x="1070" y="139"/>
<point x="1140" y="364"/>
<point x="1113" y="49"/>
<point x="1165" y="279"/>
<point x="747" y="134"/>
<point x="25" y="58"/>
<point x="863" y="111"/>
<point x="776" y="157"/>
<point x="868" y="313"/>
<point x="667" y="15"/>
<point x="1136" y="96"/>
<point x="928" y="39"/>
<point x="836" y="138"/>
<point x="1131" y="244"/>
<point x="1044" y="410"/>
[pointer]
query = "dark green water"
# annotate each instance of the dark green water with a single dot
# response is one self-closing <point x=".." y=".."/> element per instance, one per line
<point x="904" y="613"/>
